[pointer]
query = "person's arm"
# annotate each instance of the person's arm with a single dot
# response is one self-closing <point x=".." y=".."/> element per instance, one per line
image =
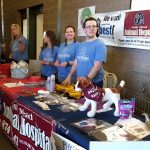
<point x="73" y="69"/>
<point x="22" y="45"/>
<point x="65" y="64"/>
<point x="100" y="58"/>
<point x="43" y="62"/>
<point x="94" y="70"/>
<point x="57" y="63"/>
<point x="71" y="62"/>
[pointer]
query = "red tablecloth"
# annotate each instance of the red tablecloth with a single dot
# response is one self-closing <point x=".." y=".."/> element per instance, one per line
<point x="25" y="128"/>
<point x="21" y="90"/>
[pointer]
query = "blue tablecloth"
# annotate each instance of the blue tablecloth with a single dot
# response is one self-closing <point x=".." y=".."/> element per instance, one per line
<point x="64" y="120"/>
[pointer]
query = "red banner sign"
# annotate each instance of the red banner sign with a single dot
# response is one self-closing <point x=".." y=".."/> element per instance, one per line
<point x="30" y="130"/>
<point x="137" y="23"/>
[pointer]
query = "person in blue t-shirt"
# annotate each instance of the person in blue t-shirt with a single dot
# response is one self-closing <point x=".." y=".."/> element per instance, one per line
<point x="19" y="44"/>
<point x="90" y="56"/>
<point x="66" y="55"/>
<point x="48" y="54"/>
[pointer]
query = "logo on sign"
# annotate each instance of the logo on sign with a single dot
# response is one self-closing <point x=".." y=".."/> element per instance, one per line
<point x="139" y="19"/>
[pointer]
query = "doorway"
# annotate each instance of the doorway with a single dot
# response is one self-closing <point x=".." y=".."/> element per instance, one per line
<point x="32" y="28"/>
<point x="39" y="34"/>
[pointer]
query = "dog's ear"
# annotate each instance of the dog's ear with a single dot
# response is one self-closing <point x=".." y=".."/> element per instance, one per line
<point x="101" y="90"/>
<point x="79" y="83"/>
<point x="85" y="82"/>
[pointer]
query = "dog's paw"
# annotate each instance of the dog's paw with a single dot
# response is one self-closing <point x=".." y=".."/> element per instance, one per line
<point x="100" y="110"/>
<point x="104" y="110"/>
<point x="91" y="114"/>
<point x="82" y="108"/>
<point x="106" y="106"/>
<point x="116" y="113"/>
<point x="110" y="108"/>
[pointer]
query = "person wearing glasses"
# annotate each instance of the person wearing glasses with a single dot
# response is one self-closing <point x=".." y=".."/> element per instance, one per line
<point x="90" y="56"/>
<point x="48" y="54"/>
<point x="19" y="44"/>
<point x="66" y="55"/>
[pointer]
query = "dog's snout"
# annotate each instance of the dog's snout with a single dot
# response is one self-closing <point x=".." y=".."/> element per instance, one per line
<point x="76" y="87"/>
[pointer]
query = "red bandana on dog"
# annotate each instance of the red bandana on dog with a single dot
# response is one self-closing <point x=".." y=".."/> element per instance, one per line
<point x="93" y="93"/>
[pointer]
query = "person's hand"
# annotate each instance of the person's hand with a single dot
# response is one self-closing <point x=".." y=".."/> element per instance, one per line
<point x="64" y="64"/>
<point x="56" y="63"/>
<point x="67" y="81"/>
<point x="21" y="48"/>
<point x="43" y="62"/>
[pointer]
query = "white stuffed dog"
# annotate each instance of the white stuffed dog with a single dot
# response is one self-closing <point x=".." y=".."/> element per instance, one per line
<point x="93" y="94"/>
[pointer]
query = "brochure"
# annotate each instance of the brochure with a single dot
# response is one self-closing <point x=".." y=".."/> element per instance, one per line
<point x="103" y="131"/>
<point x="113" y="133"/>
<point x="92" y="127"/>
<point x="135" y="127"/>
<point x="91" y="124"/>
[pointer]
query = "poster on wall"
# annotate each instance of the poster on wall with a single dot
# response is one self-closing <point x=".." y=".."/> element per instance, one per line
<point x="136" y="32"/>
<point x="110" y="26"/>
<point x="84" y="13"/>
<point x="121" y="28"/>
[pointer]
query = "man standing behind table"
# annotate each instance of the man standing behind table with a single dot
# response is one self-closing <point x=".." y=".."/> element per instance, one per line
<point x="90" y="56"/>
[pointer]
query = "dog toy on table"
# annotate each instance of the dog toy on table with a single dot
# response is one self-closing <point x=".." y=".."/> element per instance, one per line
<point x="93" y="95"/>
<point x="147" y="121"/>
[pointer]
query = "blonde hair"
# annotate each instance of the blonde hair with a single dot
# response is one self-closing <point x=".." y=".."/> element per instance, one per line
<point x="18" y="29"/>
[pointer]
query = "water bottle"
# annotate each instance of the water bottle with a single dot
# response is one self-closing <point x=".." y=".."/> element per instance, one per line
<point x="52" y="83"/>
<point x="48" y="83"/>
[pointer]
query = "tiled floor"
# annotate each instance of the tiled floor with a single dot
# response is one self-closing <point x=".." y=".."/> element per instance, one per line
<point x="4" y="143"/>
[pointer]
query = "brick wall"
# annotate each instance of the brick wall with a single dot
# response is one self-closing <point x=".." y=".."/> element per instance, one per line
<point x="12" y="15"/>
<point x="131" y="65"/>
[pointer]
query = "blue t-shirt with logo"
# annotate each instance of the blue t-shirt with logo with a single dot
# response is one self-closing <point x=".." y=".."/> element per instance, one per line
<point x="50" y="55"/>
<point x="66" y="53"/>
<point x="87" y="54"/>
<point x="16" y="55"/>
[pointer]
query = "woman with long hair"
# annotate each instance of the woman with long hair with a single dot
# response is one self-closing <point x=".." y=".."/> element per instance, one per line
<point x="19" y="44"/>
<point x="66" y="54"/>
<point x="48" y="54"/>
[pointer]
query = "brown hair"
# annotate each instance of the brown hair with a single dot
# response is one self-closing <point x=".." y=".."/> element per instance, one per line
<point x="52" y="37"/>
<point x="89" y="19"/>
<point x="69" y="26"/>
